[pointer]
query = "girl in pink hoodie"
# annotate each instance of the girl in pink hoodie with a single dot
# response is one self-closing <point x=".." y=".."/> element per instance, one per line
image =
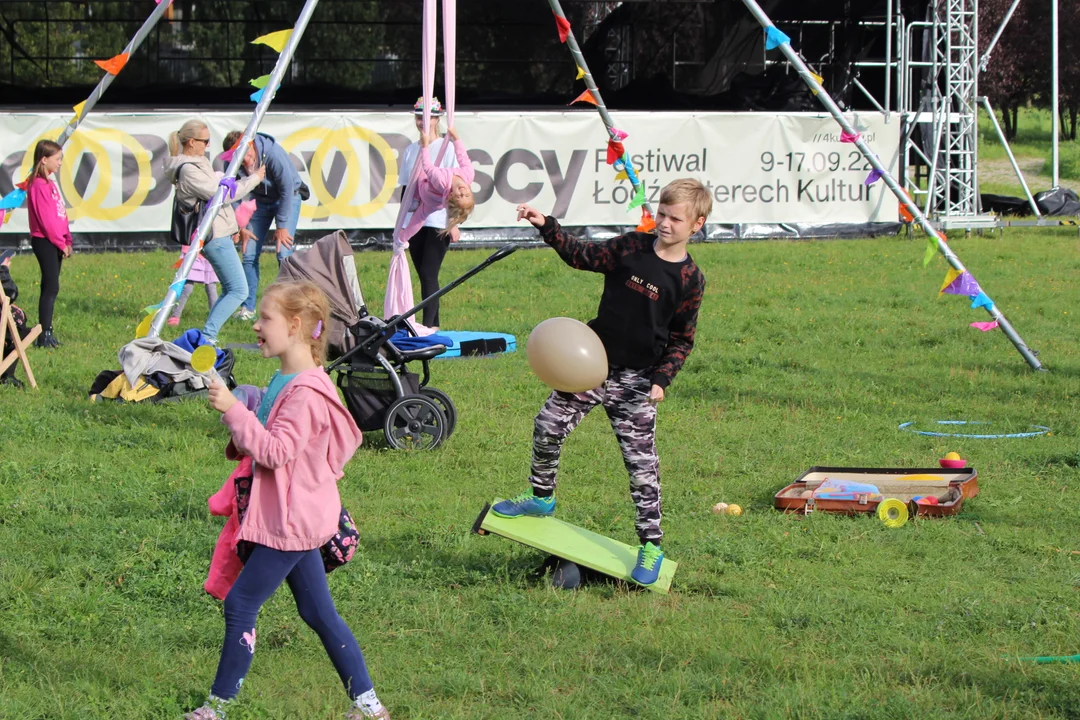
<point x="298" y="443"/>
<point x="440" y="187"/>
<point x="50" y="236"/>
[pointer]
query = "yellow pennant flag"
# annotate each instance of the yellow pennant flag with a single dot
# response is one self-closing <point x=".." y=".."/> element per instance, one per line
<point x="949" y="277"/>
<point x="79" y="108"/>
<point x="260" y="82"/>
<point x="820" y="80"/>
<point x="621" y="175"/>
<point x="580" y="73"/>
<point x="275" y="40"/>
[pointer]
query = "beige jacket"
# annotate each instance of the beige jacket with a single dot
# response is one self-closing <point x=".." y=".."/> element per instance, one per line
<point x="200" y="182"/>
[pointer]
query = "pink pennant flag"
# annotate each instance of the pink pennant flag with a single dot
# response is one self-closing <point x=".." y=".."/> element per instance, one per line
<point x="846" y="137"/>
<point x="985" y="326"/>
<point x="617" y="134"/>
<point x="963" y="285"/>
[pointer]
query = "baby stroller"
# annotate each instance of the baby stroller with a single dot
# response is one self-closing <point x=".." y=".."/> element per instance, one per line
<point x="373" y="373"/>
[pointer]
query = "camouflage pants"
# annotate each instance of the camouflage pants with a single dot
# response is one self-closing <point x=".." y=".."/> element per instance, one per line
<point x="624" y="396"/>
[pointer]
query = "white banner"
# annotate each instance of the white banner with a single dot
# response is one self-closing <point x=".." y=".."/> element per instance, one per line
<point x="760" y="167"/>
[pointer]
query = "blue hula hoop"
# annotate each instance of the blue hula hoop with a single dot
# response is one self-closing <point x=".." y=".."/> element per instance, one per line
<point x="906" y="426"/>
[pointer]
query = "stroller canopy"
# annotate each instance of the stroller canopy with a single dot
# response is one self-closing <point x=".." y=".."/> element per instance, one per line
<point x="329" y="264"/>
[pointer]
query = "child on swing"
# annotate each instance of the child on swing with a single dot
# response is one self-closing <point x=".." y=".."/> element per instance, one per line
<point x="439" y="187"/>
<point x="298" y="441"/>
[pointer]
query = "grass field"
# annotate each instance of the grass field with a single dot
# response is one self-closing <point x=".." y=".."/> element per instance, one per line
<point x="807" y="353"/>
<point x="1031" y="147"/>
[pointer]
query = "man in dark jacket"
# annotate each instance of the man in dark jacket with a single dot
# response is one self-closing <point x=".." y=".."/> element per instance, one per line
<point x="277" y="201"/>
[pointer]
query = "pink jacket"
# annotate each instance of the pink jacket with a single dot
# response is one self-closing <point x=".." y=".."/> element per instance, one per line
<point x="433" y="186"/>
<point x="48" y="216"/>
<point x="225" y="565"/>
<point x="299" y="457"/>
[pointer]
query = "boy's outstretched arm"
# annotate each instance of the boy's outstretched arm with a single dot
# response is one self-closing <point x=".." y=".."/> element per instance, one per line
<point x="581" y="254"/>
<point x="681" y="333"/>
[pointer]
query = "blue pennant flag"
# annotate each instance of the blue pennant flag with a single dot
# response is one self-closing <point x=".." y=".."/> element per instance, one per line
<point x="981" y="300"/>
<point x="257" y="95"/>
<point x="774" y="38"/>
<point x="177" y="287"/>
<point x="13" y="199"/>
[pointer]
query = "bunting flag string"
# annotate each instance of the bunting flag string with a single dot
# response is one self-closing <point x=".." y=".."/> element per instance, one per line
<point x="113" y="65"/>
<point x="985" y="326"/>
<point x="774" y="38"/>
<point x="647" y="224"/>
<point x="615" y="151"/>
<point x="275" y="40"/>
<point x="950" y="276"/>
<point x="964" y="285"/>
<point x="586" y="96"/>
<point x="563" y="26"/>
<point x="79" y="109"/>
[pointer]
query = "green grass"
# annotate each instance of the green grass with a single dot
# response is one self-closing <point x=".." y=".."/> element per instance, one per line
<point x="807" y="353"/>
<point x="1031" y="147"/>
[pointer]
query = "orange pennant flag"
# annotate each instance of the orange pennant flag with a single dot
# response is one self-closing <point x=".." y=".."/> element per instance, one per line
<point x="586" y="96"/>
<point x="647" y="224"/>
<point x="113" y="65"/>
<point x="580" y="73"/>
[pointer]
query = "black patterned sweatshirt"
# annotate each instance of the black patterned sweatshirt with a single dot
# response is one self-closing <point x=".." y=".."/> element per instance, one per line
<point x="648" y="310"/>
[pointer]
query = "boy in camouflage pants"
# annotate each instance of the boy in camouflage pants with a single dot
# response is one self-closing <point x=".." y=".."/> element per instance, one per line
<point x="646" y="321"/>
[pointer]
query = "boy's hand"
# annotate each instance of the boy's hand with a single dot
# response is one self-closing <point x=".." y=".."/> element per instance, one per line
<point x="527" y="212"/>
<point x="260" y="173"/>
<point x="656" y="395"/>
<point x="452" y="132"/>
<point x="221" y="399"/>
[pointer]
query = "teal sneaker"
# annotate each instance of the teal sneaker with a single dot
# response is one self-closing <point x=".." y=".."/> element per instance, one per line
<point x="525" y="504"/>
<point x="649" y="559"/>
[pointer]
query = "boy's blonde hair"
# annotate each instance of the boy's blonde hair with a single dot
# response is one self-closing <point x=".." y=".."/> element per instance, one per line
<point x="187" y="131"/>
<point x="687" y="190"/>
<point x="307" y="301"/>
<point x="457" y="212"/>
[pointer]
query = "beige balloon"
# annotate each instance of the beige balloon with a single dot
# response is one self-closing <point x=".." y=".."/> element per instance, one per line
<point x="567" y="355"/>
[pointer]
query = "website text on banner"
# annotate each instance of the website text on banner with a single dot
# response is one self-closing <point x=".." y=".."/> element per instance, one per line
<point x="761" y="167"/>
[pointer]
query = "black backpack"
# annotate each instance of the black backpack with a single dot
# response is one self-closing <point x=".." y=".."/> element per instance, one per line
<point x="185" y="218"/>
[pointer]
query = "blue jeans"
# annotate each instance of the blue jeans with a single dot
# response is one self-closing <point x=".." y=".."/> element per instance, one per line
<point x="261" y="577"/>
<point x="221" y="252"/>
<point x="260" y="225"/>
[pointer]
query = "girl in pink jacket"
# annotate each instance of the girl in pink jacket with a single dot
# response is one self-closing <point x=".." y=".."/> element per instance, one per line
<point x="50" y="236"/>
<point x="298" y="442"/>
<point x="439" y="187"/>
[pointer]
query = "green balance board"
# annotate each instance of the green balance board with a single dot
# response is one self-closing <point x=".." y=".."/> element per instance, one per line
<point x="575" y="544"/>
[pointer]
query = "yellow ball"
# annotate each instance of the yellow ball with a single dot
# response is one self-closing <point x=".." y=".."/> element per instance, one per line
<point x="734" y="510"/>
<point x="953" y="456"/>
<point x="720" y="508"/>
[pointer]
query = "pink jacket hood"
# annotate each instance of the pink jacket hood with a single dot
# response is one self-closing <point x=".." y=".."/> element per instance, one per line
<point x="299" y="457"/>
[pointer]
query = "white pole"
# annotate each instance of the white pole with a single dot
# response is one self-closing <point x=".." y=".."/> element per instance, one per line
<point x="886" y="176"/>
<point x="1055" y="120"/>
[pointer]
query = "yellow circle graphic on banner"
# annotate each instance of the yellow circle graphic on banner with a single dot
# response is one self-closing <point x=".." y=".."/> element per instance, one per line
<point x="339" y="139"/>
<point x="91" y="141"/>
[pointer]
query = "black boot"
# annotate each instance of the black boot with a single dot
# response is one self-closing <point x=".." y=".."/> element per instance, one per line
<point x="47" y="340"/>
<point x="11" y="380"/>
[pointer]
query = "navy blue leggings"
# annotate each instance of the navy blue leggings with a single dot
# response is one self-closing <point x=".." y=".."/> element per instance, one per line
<point x="261" y="576"/>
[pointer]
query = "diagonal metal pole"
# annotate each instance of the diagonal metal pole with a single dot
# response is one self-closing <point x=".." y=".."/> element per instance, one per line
<point x="984" y="61"/>
<point x="924" y="222"/>
<point x="579" y="58"/>
<point x="207" y="222"/>
<point x="106" y="81"/>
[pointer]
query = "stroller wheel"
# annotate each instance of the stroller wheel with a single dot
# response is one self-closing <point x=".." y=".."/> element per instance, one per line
<point x="414" y="422"/>
<point x="445" y="404"/>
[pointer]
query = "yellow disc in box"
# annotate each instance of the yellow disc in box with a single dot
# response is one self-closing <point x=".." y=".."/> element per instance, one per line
<point x="921" y="477"/>
<point x="892" y="513"/>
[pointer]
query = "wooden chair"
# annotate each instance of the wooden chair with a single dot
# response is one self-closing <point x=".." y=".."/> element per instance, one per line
<point x="7" y="324"/>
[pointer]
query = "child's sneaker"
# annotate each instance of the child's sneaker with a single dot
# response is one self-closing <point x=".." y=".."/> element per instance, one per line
<point x="365" y="714"/>
<point x="649" y="559"/>
<point x="174" y="321"/>
<point x="244" y="314"/>
<point x="525" y="504"/>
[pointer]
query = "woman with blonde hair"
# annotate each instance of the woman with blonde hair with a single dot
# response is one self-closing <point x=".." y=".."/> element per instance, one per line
<point x="189" y="169"/>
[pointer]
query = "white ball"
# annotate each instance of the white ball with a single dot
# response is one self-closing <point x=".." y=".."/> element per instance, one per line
<point x="720" y="508"/>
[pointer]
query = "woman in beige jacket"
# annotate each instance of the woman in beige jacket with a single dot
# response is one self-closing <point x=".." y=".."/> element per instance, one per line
<point x="189" y="169"/>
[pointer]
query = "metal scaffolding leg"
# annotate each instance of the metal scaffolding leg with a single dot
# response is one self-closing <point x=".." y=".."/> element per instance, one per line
<point x="942" y="246"/>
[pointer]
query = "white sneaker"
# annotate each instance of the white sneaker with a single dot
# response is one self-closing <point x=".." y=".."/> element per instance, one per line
<point x="245" y="314"/>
